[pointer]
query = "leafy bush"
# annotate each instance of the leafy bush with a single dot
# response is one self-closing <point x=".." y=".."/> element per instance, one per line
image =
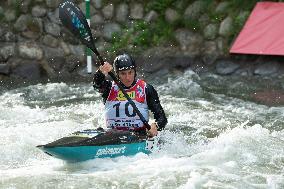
<point x="159" y="6"/>
<point x="142" y="35"/>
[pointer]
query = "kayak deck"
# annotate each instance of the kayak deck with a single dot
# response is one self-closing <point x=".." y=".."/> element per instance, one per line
<point x="99" y="143"/>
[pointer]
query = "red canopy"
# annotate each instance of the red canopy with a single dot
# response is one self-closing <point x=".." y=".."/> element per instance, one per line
<point x="263" y="32"/>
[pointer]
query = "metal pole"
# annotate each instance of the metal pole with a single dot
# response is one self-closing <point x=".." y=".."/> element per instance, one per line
<point x="89" y="58"/>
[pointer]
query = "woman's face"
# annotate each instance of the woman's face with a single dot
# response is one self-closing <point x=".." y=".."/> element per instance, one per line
<point x="127" y="77"/>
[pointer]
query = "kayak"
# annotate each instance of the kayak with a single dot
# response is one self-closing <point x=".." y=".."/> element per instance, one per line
<point x="98" y="143"/>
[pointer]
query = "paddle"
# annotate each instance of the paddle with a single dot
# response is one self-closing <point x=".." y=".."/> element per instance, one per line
<point x="75" y="21"/>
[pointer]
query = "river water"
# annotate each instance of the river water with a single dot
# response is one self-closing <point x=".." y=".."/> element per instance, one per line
<point x="216" y="137"/>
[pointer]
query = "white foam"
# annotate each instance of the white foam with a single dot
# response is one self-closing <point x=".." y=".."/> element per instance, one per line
<point x="213" y="141"/>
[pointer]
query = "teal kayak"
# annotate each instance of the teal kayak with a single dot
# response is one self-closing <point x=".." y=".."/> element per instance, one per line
<point x="90" y="144"/>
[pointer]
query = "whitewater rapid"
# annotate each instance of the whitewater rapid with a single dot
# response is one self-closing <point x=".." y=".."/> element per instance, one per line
<point x="213" y="140"/>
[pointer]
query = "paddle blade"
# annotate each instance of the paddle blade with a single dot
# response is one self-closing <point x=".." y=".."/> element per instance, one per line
<point x="74" y="20"/>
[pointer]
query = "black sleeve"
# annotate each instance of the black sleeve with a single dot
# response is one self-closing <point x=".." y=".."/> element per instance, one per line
<point x="155" y="107"/>
<point x="102" y="85"/>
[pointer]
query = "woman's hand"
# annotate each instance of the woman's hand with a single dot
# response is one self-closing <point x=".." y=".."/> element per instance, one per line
<point x="153" y="131"/>
<point x="107" y="67"/>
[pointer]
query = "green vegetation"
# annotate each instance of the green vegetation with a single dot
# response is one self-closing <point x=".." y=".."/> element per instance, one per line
<point x="16" y="5"/>
<point x="237" y="5"/>
<point x="159" y="6"/>
<point x="142" y="35"/>
<point x="1" y="14"/>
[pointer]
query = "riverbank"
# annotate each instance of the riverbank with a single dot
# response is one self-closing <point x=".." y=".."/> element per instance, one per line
<point x="197" y="34"/>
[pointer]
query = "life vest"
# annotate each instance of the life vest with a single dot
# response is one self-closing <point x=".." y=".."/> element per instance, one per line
<point x="120" y="113"/>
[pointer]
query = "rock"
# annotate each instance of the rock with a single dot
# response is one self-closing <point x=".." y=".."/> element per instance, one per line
<point x="52" y="28"/>
<point x="49" y="71"/>
<point x="30" y="70"/>
<point x="78" y="51"/>
<point x="161" y="51"/>
<point x="109" y="29"/>
<point x="222" y="7"/>
<point x="152" y="64"/>
<point x="210" y="31"/>
<point x="198" y="66"/>
<point x="243" y="72"/>
<point x="165" y="57"/>
<point x="50" y="41"/>
<point x="226" y="67"/>
<point x="102" y="45"/>
<point x="56" y="63"/>
<point x="151" y="16"/>
<point x="7" y="36"/>
<point x="20" y="38"/>
<point x="194" y="10"/>
<point x="10" y="15"/>
<point x="269" y="97"/>
<point x="6" y="50"/>
<point x="39" y="11"/>
<point x="54" y="17"/>
<point x="97" y="33"/>
<point x="108" y="11"/>
<point x="182" y="37"/>
<point x="210" y="48"/>
<point x="56" y="68"/>
<point x="96" y="20"/>
<point x="122" y="12"/>
<point x="50" y="53"/>
<point x="4" y="69"/>
<point x="189" y="41"/>
<point x="268" y="68"/>
<point x="68" y="37"/>
<point x="30" y="50"/>
<point x="97" y="3"/>
<point x="52" y="3"/>
<point x="65" y="48"/>
<point x="24" y="6"/>
<point x="30" y="27"/>
<point x="31" y="35"/>
<point x="136" y="11"/>
<point x="11" y="2"/>
<point x="34" y="28"/>
<point x="181" y="62"/>
<point x="204" y="20"/>
<point x="226" y="26"/>
<point x="1" y="12"/>
<point x="2" y="31"/>
<point x="72" y="63"/>
<point x="210" y="52"/>
<point x="171" y="15"/>
<point x="221" y="45"/>
<point x="35" y="25"/>
<point x="21" y="23"/>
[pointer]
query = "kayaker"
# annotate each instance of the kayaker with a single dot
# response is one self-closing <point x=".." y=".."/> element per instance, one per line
<point x="119" y="113"/>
